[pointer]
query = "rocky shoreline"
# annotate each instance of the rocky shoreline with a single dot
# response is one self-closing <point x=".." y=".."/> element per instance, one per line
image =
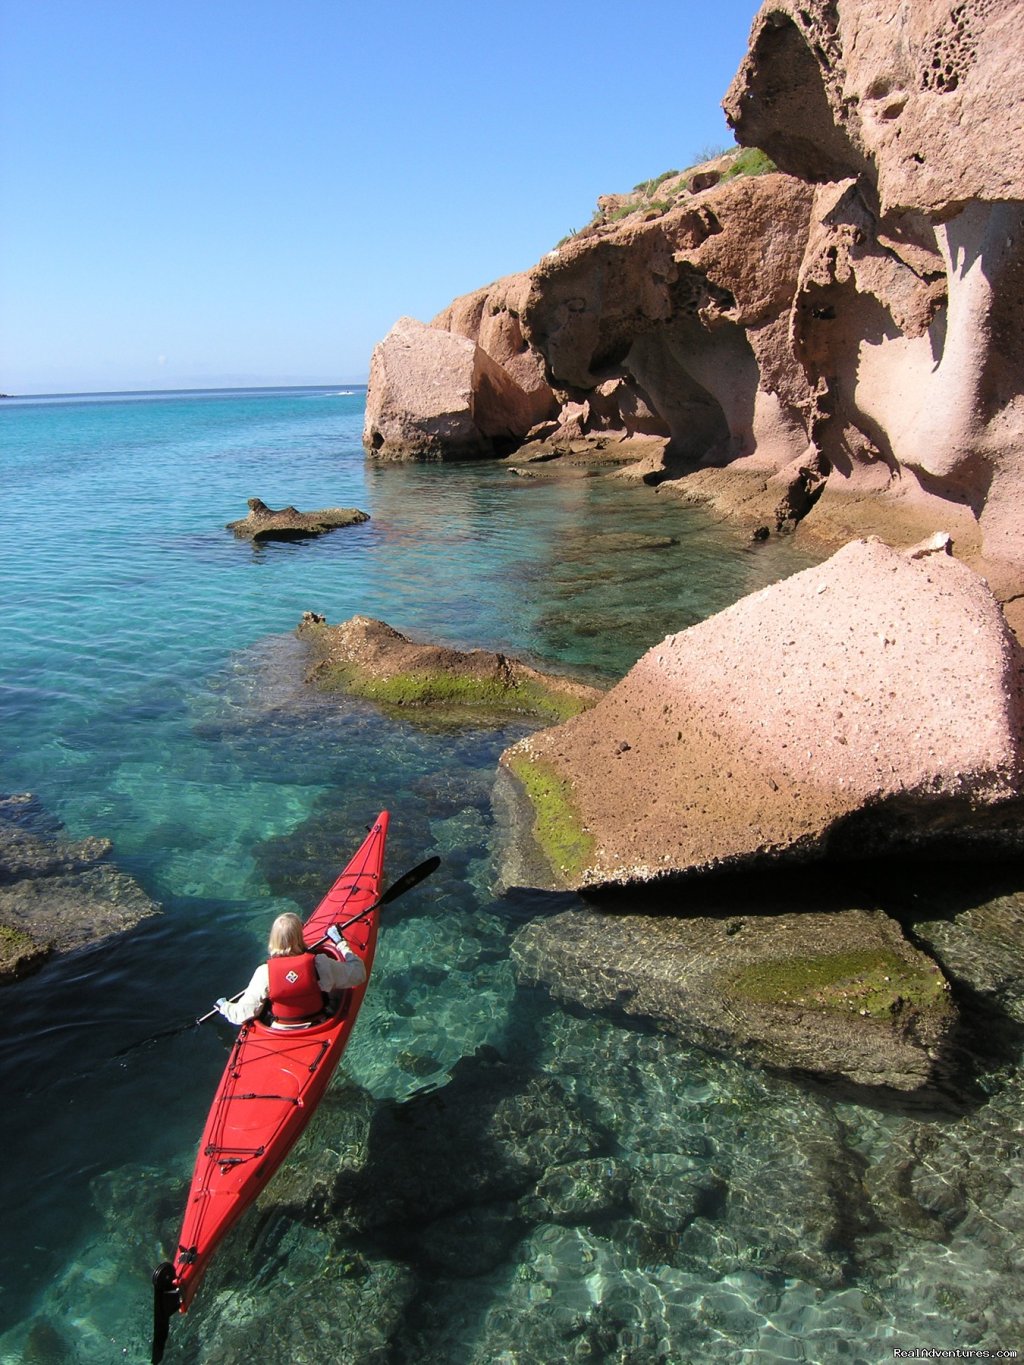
<point x="819" y="334"/>
<point x="818" y="329"/>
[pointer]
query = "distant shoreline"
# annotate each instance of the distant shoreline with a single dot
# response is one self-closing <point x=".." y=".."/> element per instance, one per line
<point x="339" y="386"/>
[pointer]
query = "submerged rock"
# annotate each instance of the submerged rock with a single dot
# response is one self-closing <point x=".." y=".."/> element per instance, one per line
<point x="288" y="523"/>
<point x="56" y="894"/>
<point x="870" y="704"/>
<point x="970" y="918"/>
<point x="20" y="953"/>
<point x="839" y="994"/>
<point x="493" y="1130"/>
<point x="368" y="658"/>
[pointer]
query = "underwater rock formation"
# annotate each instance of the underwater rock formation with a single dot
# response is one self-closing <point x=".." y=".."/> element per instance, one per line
<point x="870" y="704"/>
<point x="437" y="395"/>
<point x="368" y="658"/>
<point x="288" y="523"/>
<point x="839" y="995"/>
<point x="56" y="894"/>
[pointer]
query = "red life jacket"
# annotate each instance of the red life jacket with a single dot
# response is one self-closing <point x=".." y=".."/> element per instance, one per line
<point x="295" y="991"/>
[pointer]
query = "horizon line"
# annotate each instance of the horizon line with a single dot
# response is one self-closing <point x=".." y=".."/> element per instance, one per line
<point x="215" y="388"/>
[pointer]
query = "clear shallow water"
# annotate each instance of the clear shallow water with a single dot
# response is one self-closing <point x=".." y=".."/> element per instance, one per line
<point x="640" y="1200"/>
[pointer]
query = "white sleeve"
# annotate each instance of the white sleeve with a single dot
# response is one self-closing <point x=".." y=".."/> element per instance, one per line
<point x="251" y="1002"/>
<point x="338" y="976"/>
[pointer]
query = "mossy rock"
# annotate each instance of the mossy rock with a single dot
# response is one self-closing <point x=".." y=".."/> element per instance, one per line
<point x="366" y="658"/>
<point x="451" y="694"/>
<point x="871" y="983"/>
<point x="20" y="954"/>
<point x="804" y="990"/>
<point x="557" y="827"/>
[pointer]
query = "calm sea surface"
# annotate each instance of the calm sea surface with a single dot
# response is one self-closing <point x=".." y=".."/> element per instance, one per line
<point x="568" y="1187"/>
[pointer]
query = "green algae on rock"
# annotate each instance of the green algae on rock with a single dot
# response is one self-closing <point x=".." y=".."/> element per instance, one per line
<point x="804" y="990"/>
<point x="557" y="828"/>
<point x="872" y="982"/>
<point x="20" y="954"/>
<point x="367" y="658"/>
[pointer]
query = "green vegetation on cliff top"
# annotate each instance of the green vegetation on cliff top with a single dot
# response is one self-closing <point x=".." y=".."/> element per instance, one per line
<point x="750" y="161"/>
<point x="746" y="161"/>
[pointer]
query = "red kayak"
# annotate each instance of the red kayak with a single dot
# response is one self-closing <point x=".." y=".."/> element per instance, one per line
<point x="271" y="1086"/>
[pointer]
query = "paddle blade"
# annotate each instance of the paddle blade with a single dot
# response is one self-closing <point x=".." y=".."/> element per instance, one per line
<point x="412" y="878"/>
<point x="166" y="1300"/>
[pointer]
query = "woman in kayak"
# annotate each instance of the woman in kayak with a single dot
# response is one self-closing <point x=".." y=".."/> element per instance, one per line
<point x="296" y="981"/>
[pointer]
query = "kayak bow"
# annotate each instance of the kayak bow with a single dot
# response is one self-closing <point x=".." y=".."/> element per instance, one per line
<point x="270" y="1089"/>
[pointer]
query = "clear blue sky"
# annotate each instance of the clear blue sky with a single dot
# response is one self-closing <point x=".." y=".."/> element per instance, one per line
<point x="216" y="192"/>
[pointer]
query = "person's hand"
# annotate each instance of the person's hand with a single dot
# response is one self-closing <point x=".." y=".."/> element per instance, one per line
<point x="221" y="1003"/>
<point x="340" y="941"/>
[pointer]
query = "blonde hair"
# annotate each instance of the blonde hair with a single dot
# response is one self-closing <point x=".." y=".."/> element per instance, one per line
<point x="286" y="936"/>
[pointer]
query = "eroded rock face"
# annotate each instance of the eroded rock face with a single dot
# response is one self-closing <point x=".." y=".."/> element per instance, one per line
<point x="836" y="341"/>
<point x="492" y="318"/>
<point x="368" y="658"/>
<point x="681" y="305"/>
<point x="874" y="89"/>
<point x="838" y="995"/>
<point x="871" y="703"/>
<point x="438" y="395"/>
<point x="288" y="523"/>
<point x="907" y="317"/>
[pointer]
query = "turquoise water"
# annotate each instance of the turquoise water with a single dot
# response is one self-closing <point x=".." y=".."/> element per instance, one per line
<point x="494" y="1178"/>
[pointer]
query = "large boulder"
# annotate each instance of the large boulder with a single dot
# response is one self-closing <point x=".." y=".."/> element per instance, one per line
<point x="872" y="703"/>
<point x="437" y="395"/>
<point x="492" y="317"/>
